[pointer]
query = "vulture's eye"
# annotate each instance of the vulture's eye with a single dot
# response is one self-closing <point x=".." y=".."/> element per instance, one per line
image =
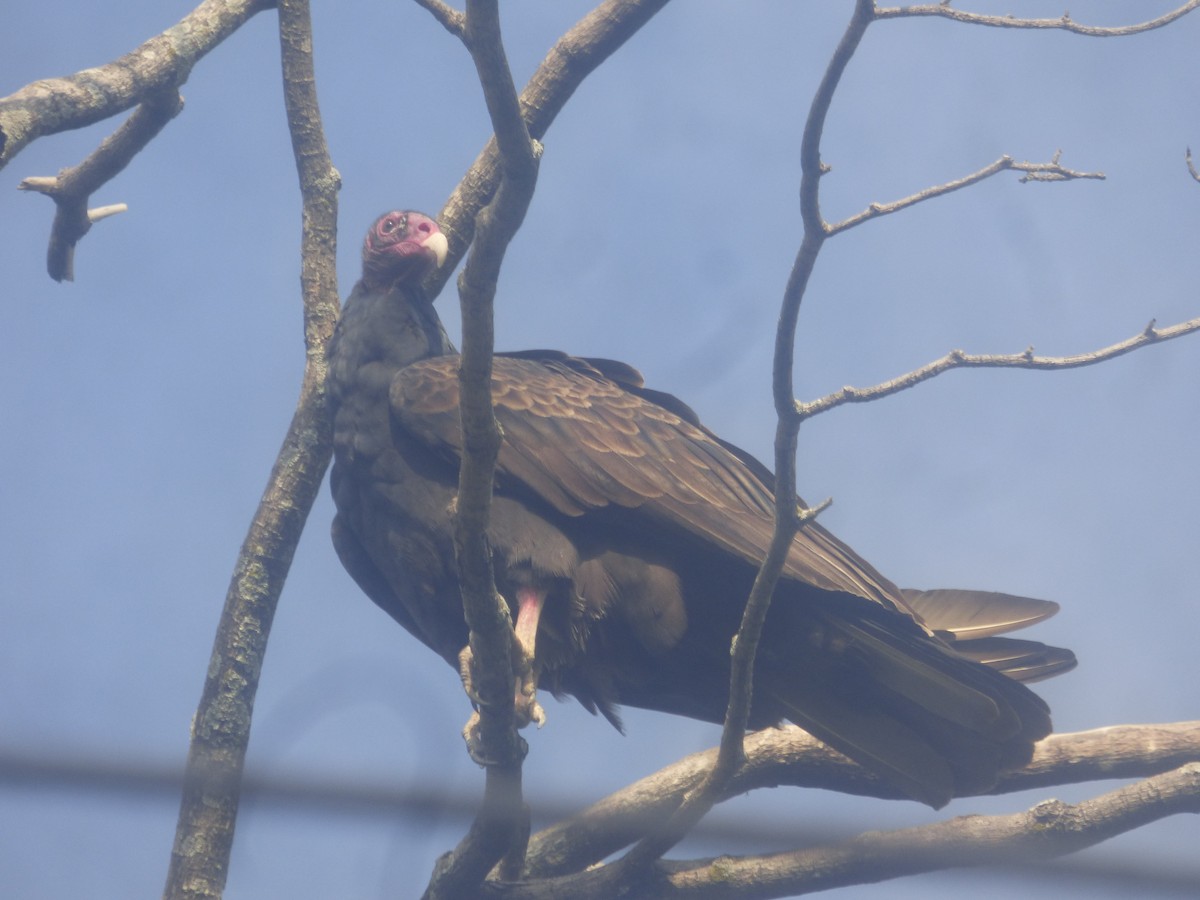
<point x="389" y="225"/>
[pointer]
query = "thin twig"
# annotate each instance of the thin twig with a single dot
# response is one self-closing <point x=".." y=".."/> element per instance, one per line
<point x="1063" y="23"/>
<point x="72" y="188"/>
<point x="1049" y="171"/>
<point x="221" y="730"/>
<point x="957" y="359"/>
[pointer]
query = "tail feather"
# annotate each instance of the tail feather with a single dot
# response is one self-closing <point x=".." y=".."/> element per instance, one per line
<point x="1023" y="661"/>
<point x="937" y="716"/>
<point x="967" y="615"/>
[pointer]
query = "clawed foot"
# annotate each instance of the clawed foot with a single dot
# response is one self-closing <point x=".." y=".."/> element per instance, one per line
<point x="525" y="705"/>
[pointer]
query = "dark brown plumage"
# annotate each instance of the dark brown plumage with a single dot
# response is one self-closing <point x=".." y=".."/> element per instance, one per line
<point x="625" y="539"/>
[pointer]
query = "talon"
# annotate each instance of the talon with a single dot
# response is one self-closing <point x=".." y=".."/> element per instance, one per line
<point x="470" y="735"/>
<point x="466" y="662"/>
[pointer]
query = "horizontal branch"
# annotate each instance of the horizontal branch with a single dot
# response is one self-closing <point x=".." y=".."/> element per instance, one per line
<point x="790" y="756"/>
<point x="1062" y="23"/>
<point x="53" y="105"/>
<point x="957" y="359"/>
<point x="1048" y="830"/>
<point x="1050" y="171"/>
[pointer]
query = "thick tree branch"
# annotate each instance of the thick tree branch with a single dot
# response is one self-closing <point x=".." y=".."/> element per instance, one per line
<point x="1063" y="23"/>
<point x="221" y="728"/>
<point x="957" y="359"/>
<point x="1050" y="171"/>
<point x="492" y="640"/>
<point x="52" y="105"/>
<point x="1048" y="830"/>
<point x="577" y="54"/>
<point x="72" y="188"/>
<point x="790" y="756"/>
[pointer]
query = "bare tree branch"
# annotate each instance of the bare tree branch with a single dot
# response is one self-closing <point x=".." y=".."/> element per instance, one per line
<point x="52" y="105"/>
<point x="957" y="359"/>
<point x="790" y="756"/>
<point x="577" y="54"/>
<point x="1063" y="23"/>
<point x="1191" y="165"/>
<point x="449" y="17"/>
<point x="492" y="640"/>
<point x="695" y="804"/>
<point x="1048" y="830"/>
<point x="221" y="728"/>
<point x="1050" y="171"/>
<point x="72" y="188"/>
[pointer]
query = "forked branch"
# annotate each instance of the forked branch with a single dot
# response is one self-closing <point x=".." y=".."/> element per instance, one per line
<point x="72" y="188"/>
<point x="148" y="77"/>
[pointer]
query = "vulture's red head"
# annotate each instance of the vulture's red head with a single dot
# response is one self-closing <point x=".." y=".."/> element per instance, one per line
<point x="402" y="247"/>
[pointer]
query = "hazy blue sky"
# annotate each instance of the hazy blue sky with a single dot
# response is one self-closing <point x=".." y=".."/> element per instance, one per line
<point x="143" y="404"/>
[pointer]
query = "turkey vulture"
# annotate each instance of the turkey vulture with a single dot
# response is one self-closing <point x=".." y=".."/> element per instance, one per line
<point x="625" y="537"/>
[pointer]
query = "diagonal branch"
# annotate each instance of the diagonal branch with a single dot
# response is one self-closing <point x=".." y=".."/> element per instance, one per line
<point x="72" y="188"/>
<point x="1062" y="23"/>
<point x="449" y="17"/>
<point x="957" y="359"/>
<point x="221" y="730"/>
<point x="53" y="105"/>
<point x="577" y="54"/>
<point x="1049" y="171"/>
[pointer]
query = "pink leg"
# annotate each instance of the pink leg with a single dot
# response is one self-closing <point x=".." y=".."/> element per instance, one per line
<point x="529" y="610"/>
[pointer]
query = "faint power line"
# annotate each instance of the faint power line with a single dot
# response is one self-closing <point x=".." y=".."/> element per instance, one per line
<point x="162" y="782"/>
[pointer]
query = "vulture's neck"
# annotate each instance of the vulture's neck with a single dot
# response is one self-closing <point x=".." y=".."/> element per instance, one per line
<point x="381" y="332"/>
